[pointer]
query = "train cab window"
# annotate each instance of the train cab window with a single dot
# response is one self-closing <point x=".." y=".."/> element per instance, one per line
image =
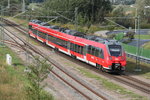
<point x="115" y="50"/>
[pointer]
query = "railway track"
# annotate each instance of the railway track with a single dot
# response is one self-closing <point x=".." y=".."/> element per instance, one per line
<point x="130" y="81"/>
<point x="30" y="49"/>
<point x="127" y="80"/>
<point x="124" y="79"/>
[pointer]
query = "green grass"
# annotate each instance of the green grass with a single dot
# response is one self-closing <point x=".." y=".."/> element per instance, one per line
<point x="147" y="45"/>
<point x="131" y="65"/>
<point x="13" y="80"/>
<point x="21" y="22"/>
<point x="127" y="8"/>
<point x="142" y="36"/>
<point x="111" y="86"/>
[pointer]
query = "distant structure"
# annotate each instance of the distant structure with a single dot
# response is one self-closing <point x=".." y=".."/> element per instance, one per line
<point x="128" y="2"/>
<point x="112" y="1"/>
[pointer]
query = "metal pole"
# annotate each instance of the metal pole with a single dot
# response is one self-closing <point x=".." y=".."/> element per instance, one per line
<point x="8" y="4"/>
<point x="137" y="68"/>
<point x="27" y="39"/>
<point x="2" y="30"/>
<point x="76" y="18"/>
<point x="23" y="6"/>
<point x="1" y="10"/>
<point x="2" y="36"/>
<point x="92" y="10"/>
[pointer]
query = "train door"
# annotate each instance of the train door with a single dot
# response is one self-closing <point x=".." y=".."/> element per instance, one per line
<point x="68" y="47"/>
<point x="46" y="41"/>
<point x="72" y="49"/>
<point x="85" y="49"/>
<point x="91" y="55"/>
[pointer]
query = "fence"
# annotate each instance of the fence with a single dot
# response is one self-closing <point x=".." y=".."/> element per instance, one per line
<point x="132" y="49"/>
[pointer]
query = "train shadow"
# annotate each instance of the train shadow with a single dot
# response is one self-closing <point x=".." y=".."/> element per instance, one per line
<point x="131" y="68"/>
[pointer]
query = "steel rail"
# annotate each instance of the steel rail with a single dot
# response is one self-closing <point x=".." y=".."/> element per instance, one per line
<point x="130" y="82"/>
<point x="36" y="50"/>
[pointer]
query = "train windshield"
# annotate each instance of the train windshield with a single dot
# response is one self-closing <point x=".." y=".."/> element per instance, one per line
<point x="115" y="50"/>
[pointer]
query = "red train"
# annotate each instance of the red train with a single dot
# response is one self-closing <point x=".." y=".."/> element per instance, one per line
<point x="105" y="54"/>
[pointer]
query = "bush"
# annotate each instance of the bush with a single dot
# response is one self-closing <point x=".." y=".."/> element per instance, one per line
<point x="111" y="36"/>
<point x="111" y="28"/>
<point x="145" y="26"/>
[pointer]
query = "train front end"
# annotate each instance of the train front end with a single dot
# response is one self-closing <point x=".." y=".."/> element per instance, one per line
<point x="116" y="58"/>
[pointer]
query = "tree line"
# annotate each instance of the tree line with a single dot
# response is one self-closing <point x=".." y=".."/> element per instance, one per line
<point x="87" y="10"/>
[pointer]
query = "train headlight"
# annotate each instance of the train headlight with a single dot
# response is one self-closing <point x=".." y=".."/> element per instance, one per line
<point x="122" y="58"/>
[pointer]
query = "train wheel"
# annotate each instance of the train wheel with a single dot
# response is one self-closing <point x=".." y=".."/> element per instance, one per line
<point x="45" y="43"/>
<point x="102" y="69"/>
<point x="98" y="66"/>
<point x="56" y="49"/>
<point x="73" y="56"/>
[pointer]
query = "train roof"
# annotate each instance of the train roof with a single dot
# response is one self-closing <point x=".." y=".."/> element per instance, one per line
<point x="77" y="34"/>
<point x="45" y="24"/>
<point x="36" y="21"/>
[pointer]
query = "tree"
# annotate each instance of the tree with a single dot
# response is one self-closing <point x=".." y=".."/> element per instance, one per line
<point x="90" y="10"/>
<point x="38" y="73"/>
<point x="119" y="36"/>
<point x="142" y="10"/>
<point x="94" y="10"/>
<point x="5" y="2"/>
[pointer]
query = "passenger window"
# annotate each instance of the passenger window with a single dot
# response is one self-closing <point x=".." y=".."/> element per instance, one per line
<point x="71" y="46"/>
<point x="75" y="48"/>
<point x="89" y="49"/>
<point x="93" y="51"/>
<point x="81" y="50"/>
